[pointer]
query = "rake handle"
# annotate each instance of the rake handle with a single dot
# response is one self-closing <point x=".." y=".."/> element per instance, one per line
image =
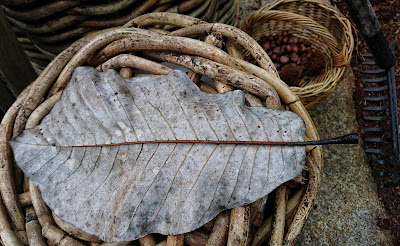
<point x="364" y="16"/>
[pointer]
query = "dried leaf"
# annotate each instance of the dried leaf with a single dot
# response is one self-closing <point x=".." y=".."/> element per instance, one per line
<point x="121" y="192"/>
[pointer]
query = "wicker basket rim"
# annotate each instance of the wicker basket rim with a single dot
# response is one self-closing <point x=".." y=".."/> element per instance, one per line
<point x="16" y="118"/>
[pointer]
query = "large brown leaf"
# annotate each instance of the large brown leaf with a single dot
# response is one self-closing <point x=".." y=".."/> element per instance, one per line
<point x="124" y="191"/>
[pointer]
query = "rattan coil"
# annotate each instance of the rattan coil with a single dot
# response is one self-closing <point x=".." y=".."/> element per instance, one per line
<point x="25" y="218"/>
<point x="320" y="23"/>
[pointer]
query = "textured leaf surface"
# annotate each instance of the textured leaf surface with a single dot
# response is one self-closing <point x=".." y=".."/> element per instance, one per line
<point x="124" y="192"/>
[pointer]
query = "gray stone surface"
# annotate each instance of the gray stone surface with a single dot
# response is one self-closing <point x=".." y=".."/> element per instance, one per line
<point x="248" y="7"/>
<point x="347" y="208"/>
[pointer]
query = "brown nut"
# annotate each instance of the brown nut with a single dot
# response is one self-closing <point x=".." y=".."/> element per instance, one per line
<point x="284" y="59"/>
<point x="294" y="57"/>
<point x="266" y="45"/>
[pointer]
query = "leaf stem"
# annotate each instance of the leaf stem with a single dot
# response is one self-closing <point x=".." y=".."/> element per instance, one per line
<point x="346" y="139"/>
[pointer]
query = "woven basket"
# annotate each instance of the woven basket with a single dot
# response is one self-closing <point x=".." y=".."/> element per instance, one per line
<point x="320" y="23"/>
<point x="46" y="28"/>
<point x="24" y="217"/>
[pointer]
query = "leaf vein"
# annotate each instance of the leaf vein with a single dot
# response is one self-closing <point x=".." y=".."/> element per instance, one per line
<point x="187" y="118"/>
<point x="108" y="110"/>
<point x="219" y="181"/>
<point x="244" y="123"/>
<point x="87" y="105"/>
<point x="126" y="114"/>
<point x="166" y="121"/>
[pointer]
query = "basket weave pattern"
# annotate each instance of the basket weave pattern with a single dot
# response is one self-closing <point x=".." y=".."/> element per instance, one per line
<point x="24" y="217"/>
<point x="45" y="29"/>
<point x="320" y="23"/>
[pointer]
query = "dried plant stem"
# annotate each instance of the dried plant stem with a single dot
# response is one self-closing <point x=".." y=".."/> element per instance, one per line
<point x="33" y="228"/>
<point x="17" y="2"/>
<point x="205" y="6"/>
<point x="265" y="229"/>
<point x="48" y="27"/>
<point x="73" y="231"/>
<point x="279" y="217"/>
<point x="120" y="20"/>
<point x="221" y="86"/>
<point x="235" y="34"/>
<point x="36" y="55"/>
<point x="143" y="75"/>
<point x="210" y="39"/>
<point x="255" y="208"/>
<point x="162" y="243"/>
<point x="42" y="211"/>
<point x="233" y="49"/>
<point x="168" y="43"/>
<point x="239" y="226"/>
<point x="307" y="201"/>
<point x="7" y="181"/>
<point x="8" y="236"/>
<point x="160" y="18"/>
<point x="134" y="62"/>
<point x="147" y="240"/>
<point x="220" y="230"/>
<point x="90" y="48"/>
<point x="115" y="244"/>
<point x="254" y="101"/>
<point x="60" y="37"/>
<point x="42" y="110"/>
<point x="187" y="5"/>
<point x="26" y="184"/>
<point x="49" y="55"/>
<point x="175" y="240"/>
<point x="196" y="238"/>
<point x="215" y="70"/>
<point x="195" y="77"/>
<point x="204" y="87"/>
<point x="25" y="199"/>
<point x="102" y="9"/>
<point x="126" y="72"/>
<point x="162" y="7"/>
<point x="207" y="227"/>
<point x="216" y="40"/>
<point x="224" y="16"/>
<point x="58" y="236"/>
<point x="7" y="184"/>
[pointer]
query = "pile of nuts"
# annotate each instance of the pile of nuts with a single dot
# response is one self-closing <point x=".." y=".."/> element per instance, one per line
<point x="293" y="57"/>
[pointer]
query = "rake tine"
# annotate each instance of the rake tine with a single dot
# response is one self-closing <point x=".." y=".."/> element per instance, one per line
<point x="378" y="140"/>
<point x="377" y="118"/>
<point x="370" y="63"/>
<point x="376" y="89"/>
<point x="376" y="99"/>
<point x="378" y="129"/>
<point x="378" y="108"/>
<point x="374" y="71"/>
<point x="376" y="80"/>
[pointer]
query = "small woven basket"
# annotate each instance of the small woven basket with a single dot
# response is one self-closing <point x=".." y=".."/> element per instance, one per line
<point x="46" y="28"/>
<point x="322" y="25"/>
<point x="25" y="218"/>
